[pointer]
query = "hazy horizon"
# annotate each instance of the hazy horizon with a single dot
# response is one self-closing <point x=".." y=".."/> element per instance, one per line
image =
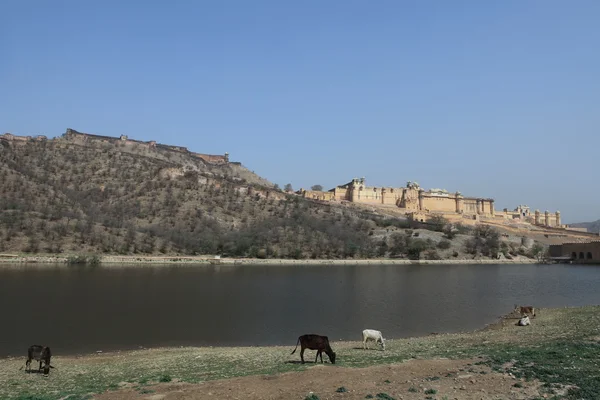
<point x="493" y="100"/>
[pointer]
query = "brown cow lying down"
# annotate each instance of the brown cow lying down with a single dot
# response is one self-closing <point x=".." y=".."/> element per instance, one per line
<point x="315" y="342"/>
<point x="525" y="310"/>
<point x="41" y="354"/>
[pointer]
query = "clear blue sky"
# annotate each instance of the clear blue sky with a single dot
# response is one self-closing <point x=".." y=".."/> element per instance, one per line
<point x="495" y="99"/>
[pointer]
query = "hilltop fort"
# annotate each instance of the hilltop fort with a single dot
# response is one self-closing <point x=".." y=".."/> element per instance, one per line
<point x="420" y="204"/>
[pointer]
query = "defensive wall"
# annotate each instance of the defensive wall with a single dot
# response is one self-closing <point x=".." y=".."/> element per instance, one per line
<point x="80" y="138"/>
<point x="9" y="138"/>
<point x="576" y="229"/>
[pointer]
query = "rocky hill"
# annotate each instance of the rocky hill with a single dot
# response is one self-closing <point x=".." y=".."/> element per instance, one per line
<point x="92" y="194"/>
<point x="82" y="193"/>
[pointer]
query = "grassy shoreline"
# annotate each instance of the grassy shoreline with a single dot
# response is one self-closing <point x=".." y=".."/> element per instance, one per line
<point x="561" y="349"/>
<point x="208" y="260"/>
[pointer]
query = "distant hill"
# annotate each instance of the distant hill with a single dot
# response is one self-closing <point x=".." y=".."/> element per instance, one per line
<point x="591" y="226"/>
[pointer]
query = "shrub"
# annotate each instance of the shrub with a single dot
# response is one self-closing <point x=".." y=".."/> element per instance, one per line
<point x="83" y="260"/>
<point x="432" y="255"/>
<point x="415" y="249"/>
<point x="438" y="223"/>
<point x="449" y="231"/>
<point x="398" y="243"/>
<point x="485" y="240"/>
<point x="537" y="251"/>
<point x="462" y="229"/>
<point x="261" y="253"/>
<point x="444" y="244"/>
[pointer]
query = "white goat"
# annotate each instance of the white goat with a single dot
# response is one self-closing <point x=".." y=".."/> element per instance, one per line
<point x="376" y="336"/>
<point x="524" y="321"/>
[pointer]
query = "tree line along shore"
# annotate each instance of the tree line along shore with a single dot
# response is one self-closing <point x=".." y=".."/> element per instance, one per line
<point x="93" y="260"/>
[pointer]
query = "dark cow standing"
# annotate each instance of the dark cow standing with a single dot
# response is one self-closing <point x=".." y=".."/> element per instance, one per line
<point x="315" y="342"/>
<point x="41" y="354"/>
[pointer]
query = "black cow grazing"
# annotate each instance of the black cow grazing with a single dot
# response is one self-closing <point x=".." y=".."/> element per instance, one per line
<point x="315" y="342"/>
<point x="41" y="354"/>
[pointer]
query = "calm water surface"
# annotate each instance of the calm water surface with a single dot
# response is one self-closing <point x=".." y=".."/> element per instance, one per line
<point x="76" y="310"/>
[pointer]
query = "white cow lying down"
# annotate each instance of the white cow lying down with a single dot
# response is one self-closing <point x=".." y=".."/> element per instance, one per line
<point x="524" y="321"/>
<point x="376" y="336"/>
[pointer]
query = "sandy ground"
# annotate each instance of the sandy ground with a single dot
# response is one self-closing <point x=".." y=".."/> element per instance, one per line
<point x="414" y="379"/>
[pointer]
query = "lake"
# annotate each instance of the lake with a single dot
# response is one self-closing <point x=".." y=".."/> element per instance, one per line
<point x="82" y="309"/>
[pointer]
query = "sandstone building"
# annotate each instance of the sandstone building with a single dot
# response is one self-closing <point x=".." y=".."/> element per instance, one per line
<point x="578" y="252"/>
<point x="420" y="204"/>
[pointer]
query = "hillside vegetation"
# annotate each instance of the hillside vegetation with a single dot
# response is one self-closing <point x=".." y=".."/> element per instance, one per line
<point x="57" y="196"/>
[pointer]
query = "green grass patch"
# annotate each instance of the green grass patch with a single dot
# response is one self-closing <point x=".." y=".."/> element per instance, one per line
<point x="573" y="363"/>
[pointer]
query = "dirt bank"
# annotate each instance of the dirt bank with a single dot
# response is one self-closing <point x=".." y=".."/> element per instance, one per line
<point x="414" y="379"/>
